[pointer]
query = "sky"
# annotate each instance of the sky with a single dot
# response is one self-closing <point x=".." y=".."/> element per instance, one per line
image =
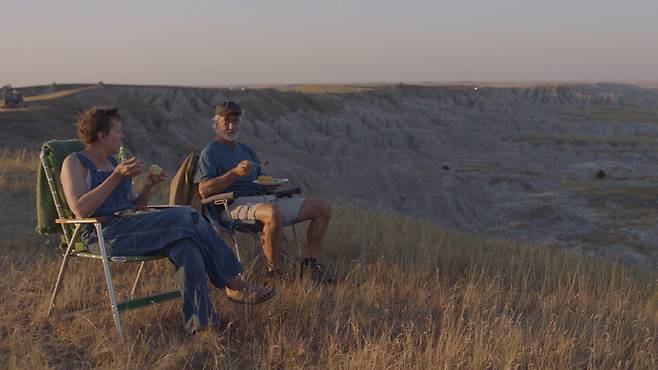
<point x="214" y="43"/>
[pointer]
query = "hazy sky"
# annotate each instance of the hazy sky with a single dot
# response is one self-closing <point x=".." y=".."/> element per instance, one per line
<point x="233" y="42"/>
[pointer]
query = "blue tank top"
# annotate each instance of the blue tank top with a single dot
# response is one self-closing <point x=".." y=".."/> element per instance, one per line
<point x="121" y="197"/>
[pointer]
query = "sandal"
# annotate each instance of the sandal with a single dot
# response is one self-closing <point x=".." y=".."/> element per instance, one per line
<point x="272" y="278"/>
<point x="250" y="296"/>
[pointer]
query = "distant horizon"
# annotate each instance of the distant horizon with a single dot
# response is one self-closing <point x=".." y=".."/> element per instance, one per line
<point x="639" y="83"/>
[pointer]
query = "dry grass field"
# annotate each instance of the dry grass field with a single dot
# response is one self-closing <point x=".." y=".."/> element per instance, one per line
<point x="42" y="98"/>
<point x="411" y="296"/>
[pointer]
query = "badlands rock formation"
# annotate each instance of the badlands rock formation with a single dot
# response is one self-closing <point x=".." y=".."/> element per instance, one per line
<point x="504" y="162"/>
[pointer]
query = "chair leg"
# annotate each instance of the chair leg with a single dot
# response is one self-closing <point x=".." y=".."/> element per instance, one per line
<point x="257" y="241"/>
<point x="139" y="274"/>
<point x="108" y="279"/>
<point x="62" y="270"/>
<point x="299" y="248"/>
<point x="234" y="239"/>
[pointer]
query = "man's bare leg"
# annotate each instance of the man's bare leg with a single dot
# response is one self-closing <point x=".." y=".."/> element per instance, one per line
<point x="319" y="212"/>
<point x="271" y="217"/>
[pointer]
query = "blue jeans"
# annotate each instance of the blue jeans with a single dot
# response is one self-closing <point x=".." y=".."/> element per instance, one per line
<point x="191" y="244"/>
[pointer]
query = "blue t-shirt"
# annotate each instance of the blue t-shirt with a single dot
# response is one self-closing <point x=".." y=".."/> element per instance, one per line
<point x="218" y="158"/>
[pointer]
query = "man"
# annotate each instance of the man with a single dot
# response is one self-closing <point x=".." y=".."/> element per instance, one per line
<point x="226" y="165"/>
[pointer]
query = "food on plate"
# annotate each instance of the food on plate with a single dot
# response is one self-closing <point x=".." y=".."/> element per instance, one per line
<point x="264" y="179"/>
<point x="155" y="170"/>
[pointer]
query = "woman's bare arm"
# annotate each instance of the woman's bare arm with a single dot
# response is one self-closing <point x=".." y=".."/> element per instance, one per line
<point x="82" y="201"/>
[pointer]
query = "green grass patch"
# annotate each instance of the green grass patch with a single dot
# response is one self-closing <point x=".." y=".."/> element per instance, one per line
<point x="628" y="197"/>
<point x="584" y="140"/>
<point x="613" y="115"/>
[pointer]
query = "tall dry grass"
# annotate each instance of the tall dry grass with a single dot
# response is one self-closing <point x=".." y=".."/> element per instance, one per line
<point x="411" y="296"/>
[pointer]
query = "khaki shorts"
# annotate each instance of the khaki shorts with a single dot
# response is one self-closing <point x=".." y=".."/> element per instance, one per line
<point x="244" y="208"/>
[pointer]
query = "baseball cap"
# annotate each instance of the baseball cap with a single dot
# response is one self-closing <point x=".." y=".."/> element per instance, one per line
<point x="227" y="107"/>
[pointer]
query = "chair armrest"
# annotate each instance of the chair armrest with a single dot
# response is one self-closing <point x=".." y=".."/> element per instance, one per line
<point x="78" y="220"/>
<point x="218" y="197"/>
<point x="288" y="192"/>
<point x="159" y="206"/>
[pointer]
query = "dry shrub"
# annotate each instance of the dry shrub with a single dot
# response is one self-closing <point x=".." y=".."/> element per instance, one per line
<point x="17" y="169"/>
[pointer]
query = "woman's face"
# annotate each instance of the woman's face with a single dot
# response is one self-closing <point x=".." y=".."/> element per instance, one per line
<point x="114" y="138"/>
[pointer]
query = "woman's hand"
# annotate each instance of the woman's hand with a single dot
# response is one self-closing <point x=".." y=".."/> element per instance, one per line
<point x="129" y="168"/>
<point x="153" y="180"/>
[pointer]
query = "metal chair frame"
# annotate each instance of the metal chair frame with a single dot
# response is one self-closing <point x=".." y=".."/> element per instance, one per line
<point x="235" y="225"/>
<point x="76" y="249"/>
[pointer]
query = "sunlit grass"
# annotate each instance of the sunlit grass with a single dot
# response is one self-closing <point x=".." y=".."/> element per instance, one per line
<point x="17" y="168"/>
<point x="57" y="94"/>
<point x="411" y="296"/>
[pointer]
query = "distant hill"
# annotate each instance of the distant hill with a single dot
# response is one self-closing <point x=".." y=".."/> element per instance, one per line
<point x="518" y="162"/>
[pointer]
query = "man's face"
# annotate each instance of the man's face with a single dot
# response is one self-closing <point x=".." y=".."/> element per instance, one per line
<point x="228" y="126"/>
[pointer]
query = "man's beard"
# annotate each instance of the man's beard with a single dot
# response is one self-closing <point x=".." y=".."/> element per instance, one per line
<point x="231" y="137"/>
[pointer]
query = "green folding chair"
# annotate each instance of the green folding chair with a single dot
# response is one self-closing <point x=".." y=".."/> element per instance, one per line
<point x="52" y="156"/>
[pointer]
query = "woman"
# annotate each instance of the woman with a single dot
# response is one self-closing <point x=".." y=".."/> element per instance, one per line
<point x="96" y="185"/>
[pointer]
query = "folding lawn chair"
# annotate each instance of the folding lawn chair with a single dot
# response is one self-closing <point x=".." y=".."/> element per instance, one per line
<point x="183" y="191"/>
<point x="226" y="224"/>
<point x="52" y="156"/>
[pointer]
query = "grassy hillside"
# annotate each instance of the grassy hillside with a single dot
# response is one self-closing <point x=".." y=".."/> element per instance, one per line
<point x="412" y="296"/>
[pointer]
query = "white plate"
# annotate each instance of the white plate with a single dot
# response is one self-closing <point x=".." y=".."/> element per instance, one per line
<point x="275" y="181"/>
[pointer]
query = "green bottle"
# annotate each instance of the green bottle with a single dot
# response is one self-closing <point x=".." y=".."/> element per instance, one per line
<point x="124" y="153"/>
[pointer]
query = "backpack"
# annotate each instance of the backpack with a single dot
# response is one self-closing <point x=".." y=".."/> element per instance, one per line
<point x="182" y="189"/>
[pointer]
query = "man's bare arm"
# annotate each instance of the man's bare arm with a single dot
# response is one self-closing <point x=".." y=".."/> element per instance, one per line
<point x="220" y="183"/>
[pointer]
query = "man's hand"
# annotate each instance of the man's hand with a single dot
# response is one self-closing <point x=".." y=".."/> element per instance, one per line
<point x="243" y="168"/>
<point x="129" y="168"/>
